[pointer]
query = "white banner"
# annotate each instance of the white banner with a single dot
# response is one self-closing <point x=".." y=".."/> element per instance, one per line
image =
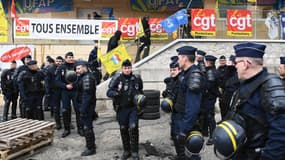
<point x="65" y="29"/>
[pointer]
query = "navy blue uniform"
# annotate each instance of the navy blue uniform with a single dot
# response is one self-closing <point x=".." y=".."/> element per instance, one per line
<point x="9" y="92"/>
<point x="67" y="96"/>
<point x="16" y="86"/>
<point x="122" y="89"/>
<point x="187" y="108"/>
<point x="32" y="90"/>
<point x="86" y="97"/>
<point x="265" y="130"/>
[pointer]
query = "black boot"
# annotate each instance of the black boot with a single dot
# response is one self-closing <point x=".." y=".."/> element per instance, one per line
<point x="80" y="130"/>
<point x="66" y="123"/>
<point x="126" y="143"/>
<point x="134" y="141"/>
<point x="5" y="111"/>
<point x="90" y="142"/>
<point x="180" y="150"/>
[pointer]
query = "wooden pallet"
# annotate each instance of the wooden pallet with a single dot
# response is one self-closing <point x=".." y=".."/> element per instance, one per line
<point x="20" y="136"/>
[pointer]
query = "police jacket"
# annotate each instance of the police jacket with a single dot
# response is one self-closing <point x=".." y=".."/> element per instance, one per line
<point x="60" y="75"/>
<point x="188" y="100"/>
<point x="86" y="91"/>
<point x="31" y="83"/>
<point x="222" y="76"/>
<point x="50" y="76"/>
<point x="232" y="84"/>
<point x="211" y="90"/>
<point x="171" y="90"/>
<point x="16" y="74"/>
<point x="7" y="85"/>
<point x="261" y="115"/>
<point x="123" y="88"/>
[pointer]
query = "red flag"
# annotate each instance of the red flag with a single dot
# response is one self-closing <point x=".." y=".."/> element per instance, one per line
<point x="13" y="10"/>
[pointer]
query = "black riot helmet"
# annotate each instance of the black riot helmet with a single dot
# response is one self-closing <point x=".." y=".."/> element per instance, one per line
<point x="71" y="76"/>
<point x="228" y="137"/>
<point x="194" y="143"/>
<point x="140" y="100"/>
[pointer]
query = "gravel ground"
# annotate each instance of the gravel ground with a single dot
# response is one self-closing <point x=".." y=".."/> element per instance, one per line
<point x="108" y="141"/>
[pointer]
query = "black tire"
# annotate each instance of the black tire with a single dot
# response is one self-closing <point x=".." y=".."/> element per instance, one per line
<point x="150" y="116"/>
<point x="152" y="101"/>
<point x="151" y="109"/>
<point x="152" y="93"/>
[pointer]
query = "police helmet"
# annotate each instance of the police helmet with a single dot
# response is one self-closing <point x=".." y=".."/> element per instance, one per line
<point x="194" y="143"/>
<point x="71" y="76"/>
<point x="228" y="137"/>
<point x="167" y="105"/>
<point x="140" y="100"/>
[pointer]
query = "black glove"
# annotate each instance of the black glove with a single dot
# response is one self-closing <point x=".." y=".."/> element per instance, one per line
<point x="181" y="137"/>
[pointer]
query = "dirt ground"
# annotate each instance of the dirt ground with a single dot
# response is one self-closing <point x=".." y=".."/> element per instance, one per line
<point x="108" y="141"/>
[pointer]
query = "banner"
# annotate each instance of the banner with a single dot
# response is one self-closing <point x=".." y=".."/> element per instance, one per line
<point x="128" y="26"/>
<point x="239" y="23"/>
<point x="203" y="22"/>
<point x="170" y="24"/>
<point x="3" y="25"/>
<point x="282" y="24"/>
<point x="113" y="59"/>
<point x="163" y="6"/>
<point x="9" y="53"/>
<point x="43" y="6"/>
<point x="68" y="29"/>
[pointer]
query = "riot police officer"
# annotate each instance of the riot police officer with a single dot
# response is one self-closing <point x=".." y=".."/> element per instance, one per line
<point x="200" y="60"/>
<point x="123" y="88"/>
<point x="32" y="89"/>
<point x="18" y="70"/>
<point x="281" y="68"/>
<point x="258" y="107"/>
<point x="86" y="97"/>
<point x="171" y="90"/>
<point x="188" y="100"/>
<point x="210" y="94"/>
<point x="9" y="92"/>
<point x="231" y="85"/>
<point x="67" y="83"/>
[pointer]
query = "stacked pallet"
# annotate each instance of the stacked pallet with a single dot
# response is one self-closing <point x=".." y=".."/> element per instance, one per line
<point x="23" y="136"/>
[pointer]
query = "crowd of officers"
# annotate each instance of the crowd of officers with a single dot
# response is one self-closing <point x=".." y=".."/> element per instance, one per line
<point x="252" y="101"/>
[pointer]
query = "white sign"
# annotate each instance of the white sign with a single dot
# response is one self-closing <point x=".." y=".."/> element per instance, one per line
<point x="67" y="29"/>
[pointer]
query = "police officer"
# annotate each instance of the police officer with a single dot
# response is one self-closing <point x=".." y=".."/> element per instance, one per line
<point x="9" y="92"/>
<point x="188" y="100"/>
<point x="209" y="97"/>
<point x="231" y="85"/>
<point x="281" y="68"/>
<point x="86" y="97"/>
<point x="18" y="70"/>
<point x="32" y="89"/>
<point x="258" y="106"/>
<point x="200" y="60"/>
<point x="68" y="93"/>
<point x="123" y="88"/>
<point x="172" y="84"/>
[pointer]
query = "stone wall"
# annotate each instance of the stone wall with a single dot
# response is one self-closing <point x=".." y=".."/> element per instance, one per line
<point x="154" y="68"/>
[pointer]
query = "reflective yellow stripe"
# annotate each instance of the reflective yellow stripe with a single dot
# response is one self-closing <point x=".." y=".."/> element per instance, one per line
<point x="170" y="103"/>
<point x="232" y="138"/>
<point x="231" y="127"/>
<point x="139" y="99"/>
<point x="194" y="133"/>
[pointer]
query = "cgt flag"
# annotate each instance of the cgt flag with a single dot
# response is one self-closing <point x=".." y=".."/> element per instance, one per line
<point x="113" y="59"/>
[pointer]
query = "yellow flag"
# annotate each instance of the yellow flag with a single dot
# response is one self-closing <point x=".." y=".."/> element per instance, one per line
<point x="114" y="59"/>
<point x="3" y="25"/>
<point x="139" y="28"/>
<point x="251" y="1"/>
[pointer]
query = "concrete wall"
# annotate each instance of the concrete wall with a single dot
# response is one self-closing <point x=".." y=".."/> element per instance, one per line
<point x="154" y="68"/>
